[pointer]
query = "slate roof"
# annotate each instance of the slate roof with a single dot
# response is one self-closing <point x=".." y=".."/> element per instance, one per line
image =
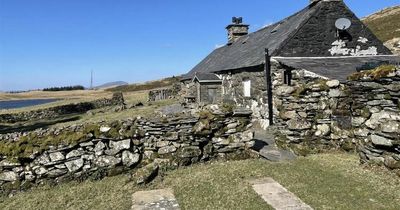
<point x="249" y="50"/>
<point x="336" y="67"/>
<point x="207" y="77"/>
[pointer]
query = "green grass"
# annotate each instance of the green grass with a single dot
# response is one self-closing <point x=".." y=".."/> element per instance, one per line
<point x="325" y="181"/>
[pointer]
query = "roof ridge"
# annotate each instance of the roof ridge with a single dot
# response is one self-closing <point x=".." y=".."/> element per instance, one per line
<point x="305" y="21"/>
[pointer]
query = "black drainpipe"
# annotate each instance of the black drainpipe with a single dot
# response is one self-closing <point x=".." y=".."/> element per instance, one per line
<point x="267" y="68"/>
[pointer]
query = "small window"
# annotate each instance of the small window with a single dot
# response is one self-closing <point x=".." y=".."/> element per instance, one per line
<point x="247" y="88"/>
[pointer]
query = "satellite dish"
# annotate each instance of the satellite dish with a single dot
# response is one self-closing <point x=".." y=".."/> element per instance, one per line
<point x="342" y="23"/>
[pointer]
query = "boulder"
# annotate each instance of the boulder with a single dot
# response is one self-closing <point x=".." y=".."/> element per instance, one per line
<point x="8" y="176"/>
<point x="162" y="143"/>
<point x="56" y="156"/>
<point x="74" y="165"/>
<point x="166" y="150"/>
<point x="392" y="163"/>
<point x="334" y="93"/>
<point x="284" y="90"/>
<point x="381" y="141"/>
<point x="288" y="115"/>
<point x="129" y="158"/>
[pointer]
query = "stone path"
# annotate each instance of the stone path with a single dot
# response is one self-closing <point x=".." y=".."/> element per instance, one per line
<point x="277" y="196"/>
<point x="163" y="199"/>
<point x="267" y="148"/>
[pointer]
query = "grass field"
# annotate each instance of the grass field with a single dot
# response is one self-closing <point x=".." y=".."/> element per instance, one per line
<point x="325" y="181"/>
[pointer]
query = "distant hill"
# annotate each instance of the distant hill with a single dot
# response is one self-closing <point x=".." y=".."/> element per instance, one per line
<point x="386" y="25"/>
<point x="111" y="84"/>
<point x="147" y="85"/>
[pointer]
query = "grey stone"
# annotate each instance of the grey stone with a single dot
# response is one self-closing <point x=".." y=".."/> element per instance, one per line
<point x="107" y="161"/>
<point x="8" y="176"/>
<point x="8" y="164"/>
<point x="162" y="143"/>
<point x="190" y="151"/>
<point x="232" y="125"/>
<point x="40" y="170"/>
<point x="381" y="141"/>
<point x="129" y="158"/>
<point x="145" y="174"/>
<point x="298" y="124"/>
<point x="323" y="130"/>
<point x="99" y="146"/>
<point x="357" y="121"/>
<point x="334" y="93"/>
<point x="120" y="145"/>
<point x="288" y="115"/>
<point x="166" y="150"/>
<point x="56" y="173"/>
<point x="74" y="165"/>
<point x="104" y="129"/>
<point x="333" y="83"/>
<point x="56" y="156"/>
<point x="284" y="90"/>
<point x="43" y="159"/>
<point x="363" y="132"/>
<point x="86" y="144"/>
<point x="391" y="127"/>
<point x="74" y="153"/>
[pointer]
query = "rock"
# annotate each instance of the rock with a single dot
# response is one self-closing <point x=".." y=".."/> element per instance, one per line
<point x="56" y="156"/>
<point x="295" y="124"/>
<point x="392" y="163"/>
<point x="8" y="164"/>
<point x="391" y="127"/>
<point x="146" y="174"/>
<point x="162" y="143"/>
<point x="120" y="145"/>
<point x="323" y="130"/>
<point x="43" y="159"/>
<point x="74" y="153"/>
<point x="191" y="151"/>
<point x="357" y="121"/>
<point x="363" y="132"/>
<point x="284" y="90"/>
<point x="381" y="141"/>
<point x="232" y="125"/>
<point x="40" y="170"/>
<point x="334" y="93"/>
<point x="8" y="176"/>
<point x="166" y="150"/>
<point x="104" y="129"/>
<point x="172" y="136"/>
<point x="86" y="144"/>
<point x="129" y="158"/>
<point x="74" y="165"/>
<point x="333" y="83"/>
<point x="107" y="161"/>
<point x="98" y="149"/>
<point x="288" y="115"/>
<point x="56" y="173"/>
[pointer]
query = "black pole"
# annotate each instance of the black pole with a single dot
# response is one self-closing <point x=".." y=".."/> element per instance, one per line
<point x="267" y="67"/>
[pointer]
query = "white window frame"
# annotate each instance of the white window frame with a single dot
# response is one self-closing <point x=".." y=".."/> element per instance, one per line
<point x="247" y="88"/>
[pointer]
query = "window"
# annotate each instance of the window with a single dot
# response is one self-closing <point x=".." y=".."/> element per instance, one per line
<point x="247" y="88"/>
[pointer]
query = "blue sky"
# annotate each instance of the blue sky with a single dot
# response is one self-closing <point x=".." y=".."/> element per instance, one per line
<point x="46" y="43"/>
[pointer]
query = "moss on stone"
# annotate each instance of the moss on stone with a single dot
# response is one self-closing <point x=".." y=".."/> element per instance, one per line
<point x="377" y="73"/>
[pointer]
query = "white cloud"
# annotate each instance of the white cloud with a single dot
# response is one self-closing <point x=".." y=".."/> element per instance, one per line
<point x="219" y="46"/>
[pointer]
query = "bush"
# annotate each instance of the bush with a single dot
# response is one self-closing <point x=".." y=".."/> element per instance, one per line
<point x="66" y="88"/>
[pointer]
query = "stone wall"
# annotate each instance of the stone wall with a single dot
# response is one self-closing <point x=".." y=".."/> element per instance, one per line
<point x="96" y="150"/>
<point x="57" y="111"/>
<point x="376" y="117"/>
<point x="166" y="93"/>
<point x="315" y="114"/>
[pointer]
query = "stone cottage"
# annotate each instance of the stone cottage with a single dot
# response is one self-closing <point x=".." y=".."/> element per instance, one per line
<point x="325" y="39"/>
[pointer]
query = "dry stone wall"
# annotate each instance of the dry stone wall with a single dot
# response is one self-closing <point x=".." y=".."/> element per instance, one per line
<point x="94" y="151"/>
<point x="362" y="114"/>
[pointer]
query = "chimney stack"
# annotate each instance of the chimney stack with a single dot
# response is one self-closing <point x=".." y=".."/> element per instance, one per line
<point x="236" y="29"/>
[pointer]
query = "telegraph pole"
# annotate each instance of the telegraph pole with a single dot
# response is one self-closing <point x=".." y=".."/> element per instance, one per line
<point x="91" y="79"/>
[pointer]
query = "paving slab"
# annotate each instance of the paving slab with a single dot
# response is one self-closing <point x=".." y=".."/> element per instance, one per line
<point x="277" y="196"/>
<point x="162" y="199"/>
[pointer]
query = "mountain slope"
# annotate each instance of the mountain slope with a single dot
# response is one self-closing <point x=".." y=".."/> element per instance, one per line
<point x="386" y="25"/>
